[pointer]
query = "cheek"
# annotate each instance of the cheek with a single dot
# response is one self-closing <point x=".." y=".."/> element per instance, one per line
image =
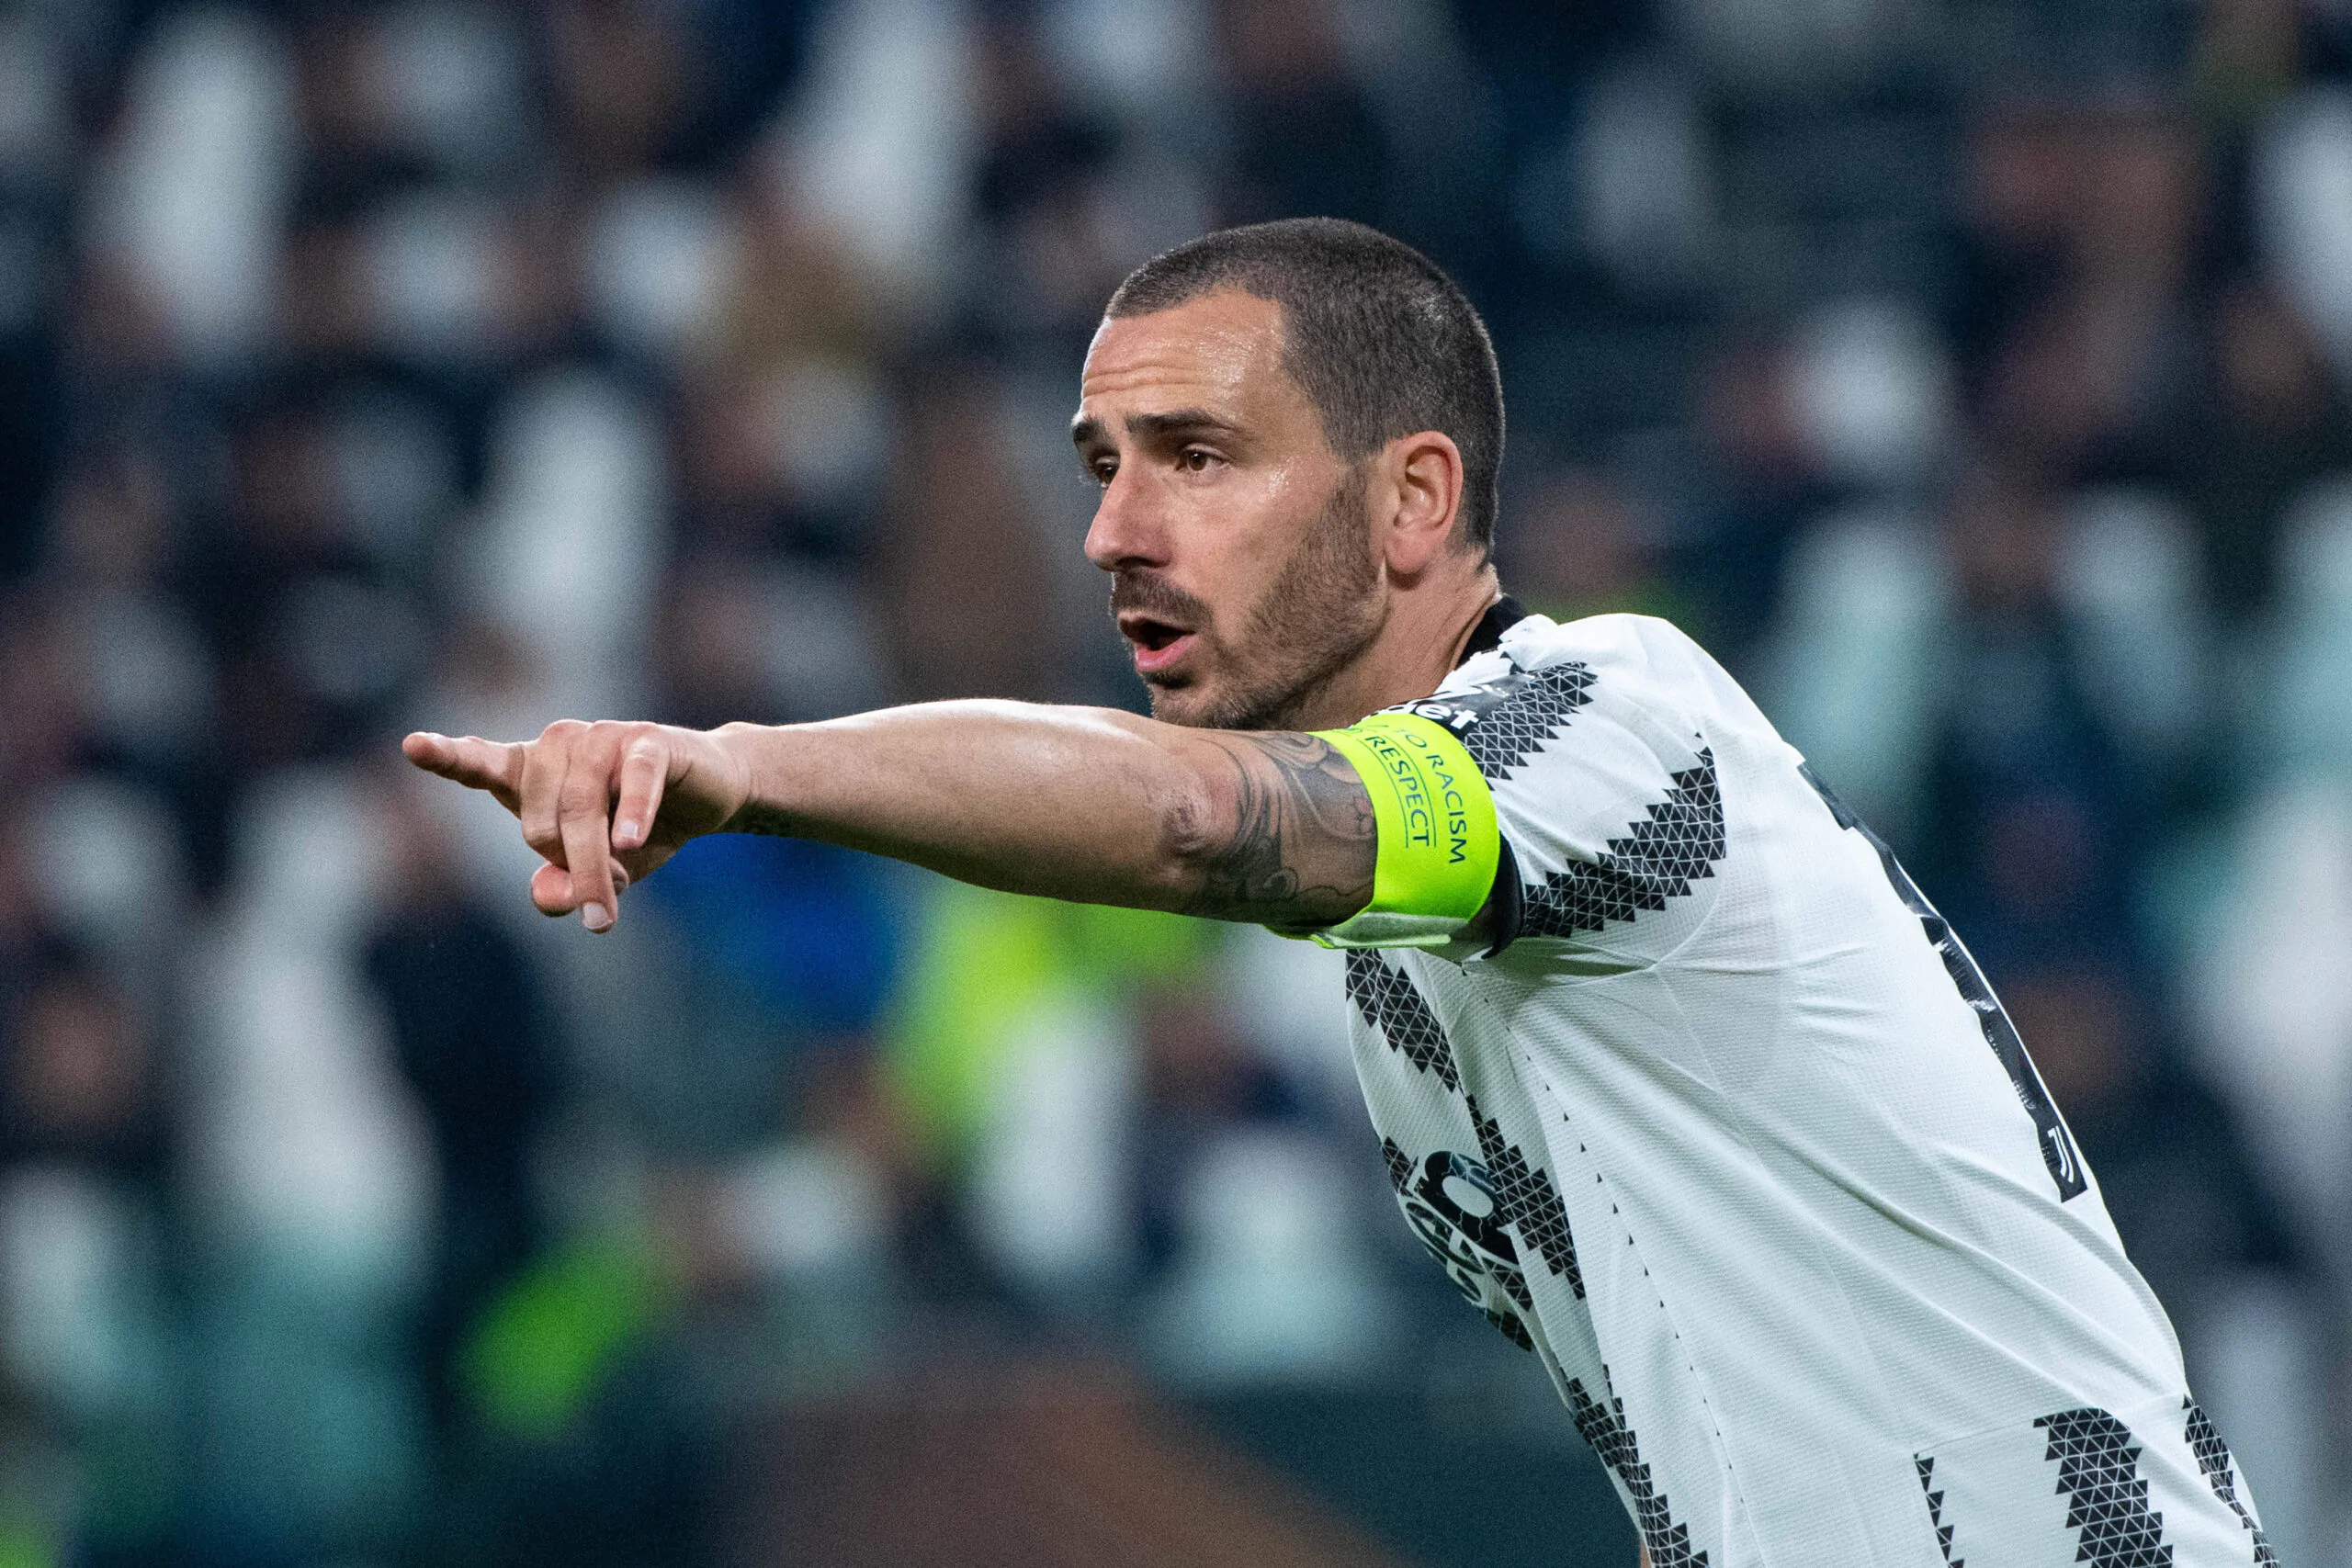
<point x="1233" y="531"/>
<point x="1263" y="522"/>
<point x="1246" y="577"/>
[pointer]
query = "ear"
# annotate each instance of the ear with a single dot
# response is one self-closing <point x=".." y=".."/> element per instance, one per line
<point x="1422" y="474"/>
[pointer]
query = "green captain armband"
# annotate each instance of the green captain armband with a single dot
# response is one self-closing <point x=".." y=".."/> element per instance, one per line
<point x="1438" y="844"/>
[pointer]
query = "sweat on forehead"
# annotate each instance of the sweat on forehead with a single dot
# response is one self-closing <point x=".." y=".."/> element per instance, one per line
<point x="1380" y="339"/>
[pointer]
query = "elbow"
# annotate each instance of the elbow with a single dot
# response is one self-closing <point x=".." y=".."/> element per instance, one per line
<point x="1190" y="813"/>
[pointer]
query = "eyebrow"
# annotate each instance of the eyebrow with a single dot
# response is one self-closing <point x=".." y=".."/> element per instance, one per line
<point x="1146" y="426"/>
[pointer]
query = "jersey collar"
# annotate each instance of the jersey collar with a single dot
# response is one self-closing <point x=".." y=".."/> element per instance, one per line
<point x="1487" y="634"/>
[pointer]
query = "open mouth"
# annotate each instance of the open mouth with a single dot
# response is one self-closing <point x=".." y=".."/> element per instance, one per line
<point x="1157" y="644"/>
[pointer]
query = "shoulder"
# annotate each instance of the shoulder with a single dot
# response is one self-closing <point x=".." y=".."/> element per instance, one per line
<point x="1596" y="738"/>
<point x="1546" y="675"/>
<point x="1622" y="645"/>
<point x="1618" y="646"/>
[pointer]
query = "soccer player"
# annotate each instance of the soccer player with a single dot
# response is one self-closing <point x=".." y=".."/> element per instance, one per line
<point x="1677" y="1075"/>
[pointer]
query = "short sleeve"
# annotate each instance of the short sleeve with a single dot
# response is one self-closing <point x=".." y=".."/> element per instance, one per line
<point x="1608" y="806"/>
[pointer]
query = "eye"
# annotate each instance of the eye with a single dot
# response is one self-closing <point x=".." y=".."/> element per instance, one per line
<point x="1195" y="459"/>
<point x="1100" y="470"/>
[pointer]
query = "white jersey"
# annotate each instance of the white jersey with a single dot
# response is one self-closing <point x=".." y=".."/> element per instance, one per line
<point x="1733" y="1136"/>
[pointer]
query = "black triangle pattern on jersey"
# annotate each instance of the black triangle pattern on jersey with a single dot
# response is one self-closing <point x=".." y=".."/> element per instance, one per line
<point x="1514" y="729"/>
<point x="1511" y="1328"/>
<point x="1936" y="1507"/>
<point x="1605" y="1429"/>
<point x="1390" y="1004"/>
<point x="1525" y="1197"/>
<point x="1513" y="1284"/>
<point x="1400" y="1165"/>
<point x="1677" y="843"/>
<point x="1504" y="721"/>
<point x="2214" y="1458"/>
<point x="2107" y="1497"/>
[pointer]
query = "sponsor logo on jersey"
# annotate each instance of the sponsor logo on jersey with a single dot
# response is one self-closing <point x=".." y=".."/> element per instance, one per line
<point x="1452" y="1207"/>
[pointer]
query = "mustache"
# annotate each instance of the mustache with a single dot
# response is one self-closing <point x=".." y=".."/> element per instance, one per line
<point x="1148" y="593"/>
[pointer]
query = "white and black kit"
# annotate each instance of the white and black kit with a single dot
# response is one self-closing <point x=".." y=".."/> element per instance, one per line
<point x="1730" y="1132"/>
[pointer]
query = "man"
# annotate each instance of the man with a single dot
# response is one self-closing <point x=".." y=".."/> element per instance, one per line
<point x="1676" y="1074"/>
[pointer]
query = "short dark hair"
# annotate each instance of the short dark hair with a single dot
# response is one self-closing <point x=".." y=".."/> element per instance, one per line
<point x="1381" y="340"/>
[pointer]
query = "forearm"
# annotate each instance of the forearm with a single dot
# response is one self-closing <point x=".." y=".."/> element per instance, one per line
<point x="1077" y="803"/>
<point x="1086" y="803"/>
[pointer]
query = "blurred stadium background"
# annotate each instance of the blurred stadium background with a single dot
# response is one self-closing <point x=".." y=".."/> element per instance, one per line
<point x="1968" y="374"/>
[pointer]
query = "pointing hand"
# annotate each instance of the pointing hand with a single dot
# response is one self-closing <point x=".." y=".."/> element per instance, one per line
<point x="603" y="803"/>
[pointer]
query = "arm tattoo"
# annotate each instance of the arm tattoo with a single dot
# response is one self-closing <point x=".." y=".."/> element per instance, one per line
<point x="1298" y="850"/>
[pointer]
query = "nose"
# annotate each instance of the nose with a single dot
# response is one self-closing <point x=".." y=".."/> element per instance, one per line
<point x="1125" y="533"/>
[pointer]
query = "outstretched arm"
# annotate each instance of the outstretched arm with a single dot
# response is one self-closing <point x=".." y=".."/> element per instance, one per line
<point x="1274" y="829"/>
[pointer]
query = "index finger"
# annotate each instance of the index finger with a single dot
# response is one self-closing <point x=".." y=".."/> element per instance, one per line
<point x="494" y="766"/>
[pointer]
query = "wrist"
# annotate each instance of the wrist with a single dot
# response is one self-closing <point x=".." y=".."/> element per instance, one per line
<point x="745" y="760"/>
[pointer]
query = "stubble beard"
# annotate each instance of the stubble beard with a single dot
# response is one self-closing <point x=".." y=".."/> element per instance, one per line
<point x="1315" y="619"/>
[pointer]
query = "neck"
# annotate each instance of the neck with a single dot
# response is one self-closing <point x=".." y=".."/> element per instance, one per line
<point x="1428" y="626"/>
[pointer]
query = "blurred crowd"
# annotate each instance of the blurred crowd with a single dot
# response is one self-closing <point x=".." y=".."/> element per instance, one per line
<point x="1969" y="375"/>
